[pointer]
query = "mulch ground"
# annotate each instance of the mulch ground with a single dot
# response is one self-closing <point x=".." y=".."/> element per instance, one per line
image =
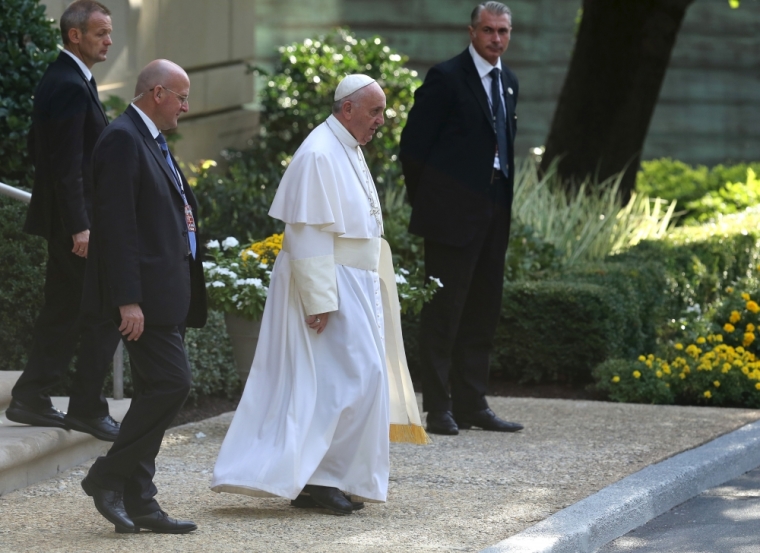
<point x="207" y="407"/>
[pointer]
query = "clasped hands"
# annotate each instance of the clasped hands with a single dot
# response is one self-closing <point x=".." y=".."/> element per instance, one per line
<point x="317" y="322"/>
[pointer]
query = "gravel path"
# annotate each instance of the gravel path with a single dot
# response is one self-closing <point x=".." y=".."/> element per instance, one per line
<point x="462" y="493"/>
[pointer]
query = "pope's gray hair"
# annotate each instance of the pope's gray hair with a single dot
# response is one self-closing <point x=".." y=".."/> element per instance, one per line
<point x="354" y="98"/>
<point x="496" y="8"/>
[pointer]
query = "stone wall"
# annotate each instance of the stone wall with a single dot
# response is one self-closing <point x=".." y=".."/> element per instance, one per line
<point x="708" y="105"/>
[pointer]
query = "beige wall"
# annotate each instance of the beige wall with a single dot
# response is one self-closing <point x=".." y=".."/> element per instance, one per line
<point x="707" y="111"/>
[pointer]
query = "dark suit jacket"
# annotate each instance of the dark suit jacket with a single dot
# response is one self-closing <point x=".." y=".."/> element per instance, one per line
<point x="138" y="246"/>
<point x="66" y="122"/>
<point x="447" y="151"/>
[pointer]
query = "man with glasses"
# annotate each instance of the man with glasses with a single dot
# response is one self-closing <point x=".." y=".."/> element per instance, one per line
<point x="457" y="153"/>
<point x="144" y="271"/>
<point x="66" y="122"/>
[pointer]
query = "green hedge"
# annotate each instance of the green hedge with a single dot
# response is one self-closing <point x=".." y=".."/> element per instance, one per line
<point x="22" y="274"/>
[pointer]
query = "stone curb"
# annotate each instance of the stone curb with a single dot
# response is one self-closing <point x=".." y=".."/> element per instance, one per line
<point x="7" y="381"/>
<point x="635" y="500"/>
<point x="29" y="454"/>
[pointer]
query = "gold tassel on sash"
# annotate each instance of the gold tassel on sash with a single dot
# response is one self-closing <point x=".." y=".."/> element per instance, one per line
<point x="406" y="425"/>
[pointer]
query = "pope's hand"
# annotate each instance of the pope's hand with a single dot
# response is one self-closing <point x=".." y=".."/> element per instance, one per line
<point x="132" y="321"/>
<point x="81" y="243"/>
<point x="317" y="322"/>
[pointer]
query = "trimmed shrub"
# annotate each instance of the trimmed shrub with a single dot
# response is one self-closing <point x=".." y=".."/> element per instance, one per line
<point x="22" y="273"/>
<point x="632" y="381"/>
<point x="27" y="45"/>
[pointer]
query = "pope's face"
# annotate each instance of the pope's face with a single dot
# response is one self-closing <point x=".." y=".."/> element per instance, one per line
<point x="490" y="37"/>
<point x="365" y="115"/>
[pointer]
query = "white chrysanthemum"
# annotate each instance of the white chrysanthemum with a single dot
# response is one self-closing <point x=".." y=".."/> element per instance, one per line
<point x="402" y="270"/>
<point x="213" y="244"/>
<point x="208" y="264"/>
<point x="230" y="242"/>
<point x="217" y="284"/>
<point x="437" y="281"/>
<point x="400" y="279"/>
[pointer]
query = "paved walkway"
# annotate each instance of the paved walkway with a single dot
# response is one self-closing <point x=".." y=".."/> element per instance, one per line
<point x="462" y="493"/>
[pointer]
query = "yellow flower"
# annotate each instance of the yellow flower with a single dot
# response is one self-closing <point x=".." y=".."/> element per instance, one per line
<point x="678" y="346"/>
<point x="666" y="368"/>
<point x="700" y="340"/>
<point x="636" y="374"/>
<point x="728" y="327"/>
<point x="749" y="337"/>
<point x="707" y="394"/>
<point x="730" y="290"/>
<point x="616" y="379"/>
<point x="745" y="296"/>
<point x="750" y="328"/>
<point x="682" y="375"/>
<point x="719" y="337"/>
<point x="752" y="306"/>
<point x="658" y="374"/>
<point x="757" y="386"/>
<point x="726" y="367"/>
<point x="735" y="317"/>
<point x="642" y="358"/>
<point x="716" y="383"/>
<point x="648" y="363"/>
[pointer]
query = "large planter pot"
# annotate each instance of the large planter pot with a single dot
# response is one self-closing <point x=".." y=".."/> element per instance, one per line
<point x="244" y="335"/>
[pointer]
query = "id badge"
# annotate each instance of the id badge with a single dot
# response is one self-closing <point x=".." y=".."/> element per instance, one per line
<point x="189" y="219"/>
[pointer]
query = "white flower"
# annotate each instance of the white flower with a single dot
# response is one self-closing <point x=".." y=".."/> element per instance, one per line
<point x="403" y="271"/>
<point x="263" y="265"/>
<point x="234" y="265"/>
<point x="255" y="282"/>
<point x="230" y="242"/>
<point x="252" y="253"/>
<point x="400" y="279"/>
<point x="226" y="272"/>
<point x="235" y="297"/>
<point x="217" y="284"/>
<point x="240" y="282"/>
<point x="208" y="264"/>
<point x="213" y="244"/>
<point x="437" y="281"/>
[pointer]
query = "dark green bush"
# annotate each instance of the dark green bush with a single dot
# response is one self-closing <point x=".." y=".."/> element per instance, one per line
<point x="617" y="378"/>
<point x="22" y="273"/>
<point x="297" y="97"/>
<point x="27" y="45"/>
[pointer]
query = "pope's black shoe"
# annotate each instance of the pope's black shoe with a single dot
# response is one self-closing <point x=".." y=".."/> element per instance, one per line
<point x="110" y="504"/>
<point x="487" y="420"/>
<point x="331" y="499"/>
<point x="304" y="501"/>
<point x="103" y="428"/>
<point x="161" y="523"/>
<point x="442" y="422"/>
<point x="26" y="414"/>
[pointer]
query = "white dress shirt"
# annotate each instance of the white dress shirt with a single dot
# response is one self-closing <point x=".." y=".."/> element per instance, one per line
<point x="82" y="66"/>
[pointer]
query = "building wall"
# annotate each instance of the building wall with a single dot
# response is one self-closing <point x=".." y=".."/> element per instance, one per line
<point x="708" y="105"/>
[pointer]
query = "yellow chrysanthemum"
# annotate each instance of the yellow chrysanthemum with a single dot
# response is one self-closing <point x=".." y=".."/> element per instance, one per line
<point x="636" y="374"/>
<point x="757" y="386"/>
<point x="752" y="306"/>
<point x="719" y="337"/>
<point x="642" y="358"/>
<point x="745" y="296"/>
<point x="749" y="337"/>
<point x="700" y="340"/>
<point x="735" y="317"/>
<point x="678" y="346"/>
<point x="728" y="327"/>
<point x="707" y="394"/>
<point x="716" y="383"/>
<point x="658" y="374"/>
<point x="730" y="290"/>
<point x="616" y="379"/>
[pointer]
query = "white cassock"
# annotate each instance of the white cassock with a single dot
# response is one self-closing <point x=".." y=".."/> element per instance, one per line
<point x="315" y="409"/>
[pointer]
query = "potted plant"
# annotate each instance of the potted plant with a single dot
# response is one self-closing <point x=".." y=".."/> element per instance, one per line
<point x="237" y="281"/>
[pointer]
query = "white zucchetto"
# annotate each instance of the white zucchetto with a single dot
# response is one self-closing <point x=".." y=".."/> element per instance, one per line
<point x="351" y="84"/>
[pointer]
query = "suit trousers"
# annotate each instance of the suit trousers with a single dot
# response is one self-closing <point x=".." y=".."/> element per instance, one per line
<point x="457" y="326"/>
<point x="58" y="331"/>
<point x="161" y="378"/>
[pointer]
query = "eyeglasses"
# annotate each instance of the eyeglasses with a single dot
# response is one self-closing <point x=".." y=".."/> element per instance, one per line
<point x="183" y="99"/>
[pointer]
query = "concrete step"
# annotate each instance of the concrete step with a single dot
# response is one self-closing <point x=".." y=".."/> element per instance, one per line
<point x="29" y="454"/>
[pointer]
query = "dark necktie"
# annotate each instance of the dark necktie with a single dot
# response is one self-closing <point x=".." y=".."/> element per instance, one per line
<point x="178" y="183"/>
<point x="499" y="120"/>
<point x="93" y="83"/>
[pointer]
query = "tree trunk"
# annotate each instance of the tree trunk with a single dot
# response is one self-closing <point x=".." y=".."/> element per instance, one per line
<point x="621" y="54"/>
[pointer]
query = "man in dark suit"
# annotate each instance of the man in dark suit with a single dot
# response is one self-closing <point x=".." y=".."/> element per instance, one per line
<point x="457" y="153"/>
<point x="66" y="122"/>
<point x="144" y="271"/>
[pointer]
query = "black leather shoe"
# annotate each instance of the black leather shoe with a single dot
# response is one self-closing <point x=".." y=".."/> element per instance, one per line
<point x="442" y="422"/>
<point x="25" y="414"/>
<point x="487" y="420"/>
<point x="110" y="504"/>
<point x="103" y="428"/>
<point x="304" y="501"/>
<point x="161" y="523"/>
<point x="331" y="499"/>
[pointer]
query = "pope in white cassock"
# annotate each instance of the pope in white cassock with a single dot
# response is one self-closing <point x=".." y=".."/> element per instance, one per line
<point x="329" y="382"/>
